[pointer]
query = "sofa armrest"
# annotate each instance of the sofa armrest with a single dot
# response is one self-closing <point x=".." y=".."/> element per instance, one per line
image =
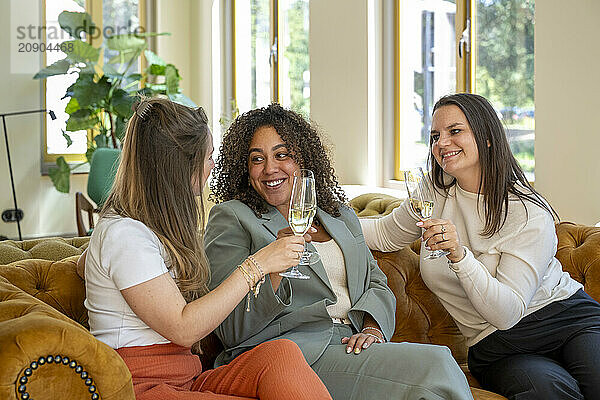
<point x="46" y="354"/>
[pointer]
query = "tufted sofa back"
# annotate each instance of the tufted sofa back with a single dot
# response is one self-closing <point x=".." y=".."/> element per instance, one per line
<point x="46" y="269"/>
<point x="420" y="317"/>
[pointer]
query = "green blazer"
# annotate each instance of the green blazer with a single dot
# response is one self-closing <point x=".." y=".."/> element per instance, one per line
<point x="297" y="310"/>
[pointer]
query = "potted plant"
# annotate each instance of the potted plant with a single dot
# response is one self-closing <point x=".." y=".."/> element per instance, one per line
<point x="101" y="98"/>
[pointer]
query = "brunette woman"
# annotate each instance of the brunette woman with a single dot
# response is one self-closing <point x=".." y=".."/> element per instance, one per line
<point x="532" y="332"/>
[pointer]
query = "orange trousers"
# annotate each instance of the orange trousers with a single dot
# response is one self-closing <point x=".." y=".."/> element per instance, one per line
<point x="272" y="370"/>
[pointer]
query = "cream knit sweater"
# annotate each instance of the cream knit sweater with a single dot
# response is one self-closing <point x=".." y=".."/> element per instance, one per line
<point x="335" y="267"/>
<point x="501" y="279"/>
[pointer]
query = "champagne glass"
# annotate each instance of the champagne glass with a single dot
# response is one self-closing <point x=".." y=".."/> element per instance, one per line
<point x="420" y="197"/>
<point x="303" y="207"/>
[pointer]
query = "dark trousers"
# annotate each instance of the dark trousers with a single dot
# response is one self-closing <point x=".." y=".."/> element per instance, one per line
<point x="553" y="353"/>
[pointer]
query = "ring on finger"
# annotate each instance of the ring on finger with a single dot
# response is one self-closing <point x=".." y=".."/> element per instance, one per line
<point x="443" y="229"/>
<point x="443" y="236"/>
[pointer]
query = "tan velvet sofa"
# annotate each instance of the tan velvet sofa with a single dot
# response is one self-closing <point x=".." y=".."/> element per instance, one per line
<point x="45" y="346"/>
<point x="43" y="322"/>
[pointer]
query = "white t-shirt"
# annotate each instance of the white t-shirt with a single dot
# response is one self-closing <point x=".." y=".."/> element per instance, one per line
<point x="501" y="279"/>
<point x="122" y="253"/>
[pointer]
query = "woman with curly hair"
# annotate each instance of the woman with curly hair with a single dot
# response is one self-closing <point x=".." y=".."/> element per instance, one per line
<point x="342" y="317"/>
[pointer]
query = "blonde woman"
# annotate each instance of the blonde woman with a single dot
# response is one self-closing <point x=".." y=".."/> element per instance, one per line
<point x="147" y="275"/>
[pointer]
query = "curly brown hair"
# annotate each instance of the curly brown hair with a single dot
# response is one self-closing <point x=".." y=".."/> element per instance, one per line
<point x="230" y="175"/>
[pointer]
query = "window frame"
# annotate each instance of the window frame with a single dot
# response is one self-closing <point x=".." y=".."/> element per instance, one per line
<point x="465" y="67"/>
<point x="275" y="33"/>
<point x="466" y="70"/>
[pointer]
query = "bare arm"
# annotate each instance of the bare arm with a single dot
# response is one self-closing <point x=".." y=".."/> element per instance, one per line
<point x="81" y="264"/>
<point x="159" y="303"/>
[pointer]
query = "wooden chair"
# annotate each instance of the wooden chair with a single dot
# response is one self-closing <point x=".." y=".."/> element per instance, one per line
<point x="103" y="168"/>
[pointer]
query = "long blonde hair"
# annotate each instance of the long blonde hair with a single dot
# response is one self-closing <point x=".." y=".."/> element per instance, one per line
<point x="163" y="153"/>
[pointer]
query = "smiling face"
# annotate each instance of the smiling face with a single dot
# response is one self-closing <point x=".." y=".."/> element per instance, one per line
<point x="454" y="148"/>
<point x="271" y="168"/>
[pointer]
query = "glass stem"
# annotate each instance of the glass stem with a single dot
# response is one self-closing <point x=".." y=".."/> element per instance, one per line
<point x="304" y="256"/>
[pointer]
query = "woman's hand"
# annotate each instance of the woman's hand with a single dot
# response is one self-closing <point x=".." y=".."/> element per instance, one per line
<point x="371" y="333"/>
<point x="280" y="255"/>
<point x="440" y="234"/>
<point x="360" y="341"/>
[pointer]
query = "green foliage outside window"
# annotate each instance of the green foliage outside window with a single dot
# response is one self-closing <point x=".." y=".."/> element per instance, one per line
<point x="505" y="69"/>
<point x="297" y="54"/>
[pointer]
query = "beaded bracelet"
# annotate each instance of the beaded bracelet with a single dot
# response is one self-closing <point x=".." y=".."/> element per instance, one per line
<point x="261" y="273"/>
<point x="377" y="338"/>
<point x="257" y="266"/>
<point x="382" y="338"/>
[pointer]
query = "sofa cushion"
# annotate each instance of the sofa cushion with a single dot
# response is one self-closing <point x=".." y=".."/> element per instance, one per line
<point x="53" y="249"/>
<point x="374" y="204"/>
<point x="56" y="283"/>
<point x="420" y="317"/>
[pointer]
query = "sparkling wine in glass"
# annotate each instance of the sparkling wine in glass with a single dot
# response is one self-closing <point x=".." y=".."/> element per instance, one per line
<point x="420" y="197"/>
<point x="303" y="207"/>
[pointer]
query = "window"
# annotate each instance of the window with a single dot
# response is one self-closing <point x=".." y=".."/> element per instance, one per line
<point x="427" y="70"/>
<point x="55" y="87"/>
<point x="271" y="54"/>
<point x="111" y="17"/>
<point x="478" y="46"/>
<point x="504" y="70"/>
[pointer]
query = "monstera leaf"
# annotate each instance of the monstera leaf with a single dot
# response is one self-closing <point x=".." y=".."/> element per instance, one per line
<point x="59" y="67"/>
<point x="122" y="102"/>
<point x="82" y="120"/>
<point x="90" y="93"/>
<point x="77" y="23"/>
<point x="60" y="176"/>
<point x="125" y="42"/>
<point x="81" y="52"/>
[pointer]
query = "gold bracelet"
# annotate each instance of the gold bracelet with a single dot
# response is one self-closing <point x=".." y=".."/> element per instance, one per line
<point x="249" y="281"/>
<point x="261" y="273"/>
<point x="248" y="275"/>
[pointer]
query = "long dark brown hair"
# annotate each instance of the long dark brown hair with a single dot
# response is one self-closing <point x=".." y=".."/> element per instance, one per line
<point x="230" y="175"/>
<point x="164" y="150"/>
<point x="501" y="175"/>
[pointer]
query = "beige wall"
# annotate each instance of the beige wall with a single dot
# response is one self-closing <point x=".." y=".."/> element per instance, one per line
<point x="567" y="101"/>
<point x="189" y="45"/>
<point x="339" y="82"/>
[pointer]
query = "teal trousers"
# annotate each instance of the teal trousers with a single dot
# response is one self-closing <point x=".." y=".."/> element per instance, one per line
<point x="390" y="371"/>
